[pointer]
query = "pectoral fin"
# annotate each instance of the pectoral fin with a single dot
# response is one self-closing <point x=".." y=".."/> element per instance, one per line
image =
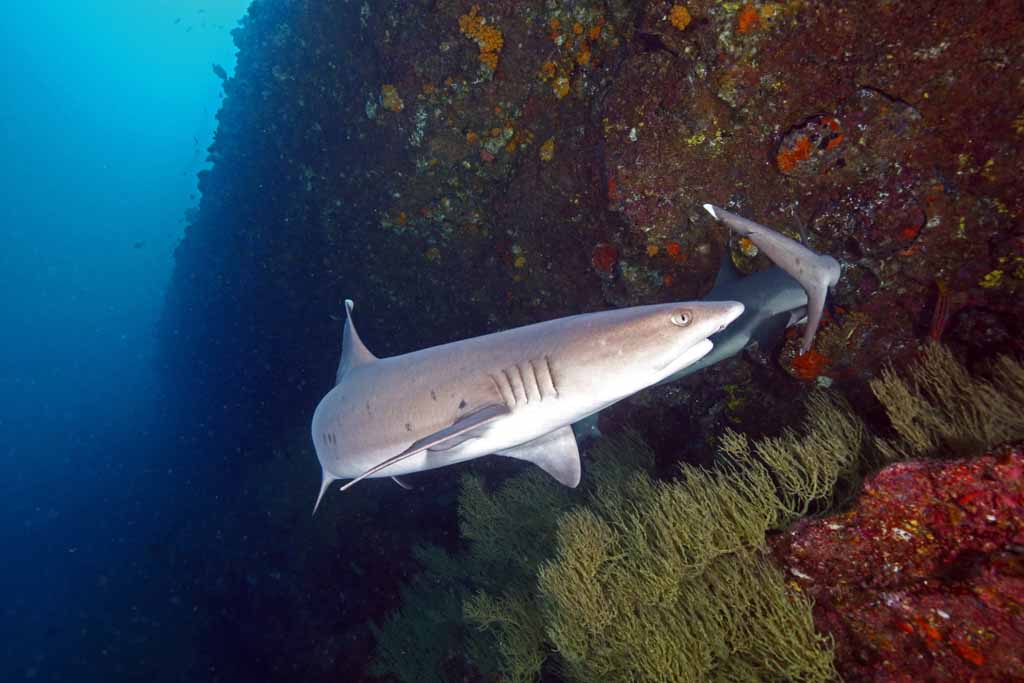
<point x="440" y="439"/>
<point x="556" y="453"/>
<point x="815" y="306"/>
<point x="403" y="482"/>
<point x="816" y="273"/>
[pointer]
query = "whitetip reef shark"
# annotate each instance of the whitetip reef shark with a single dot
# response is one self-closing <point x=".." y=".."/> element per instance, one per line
<point x="517" y="393"/>
<point x="514" y="393"/>
<point x="791" y="291"/>
<point x="817" y="274"/>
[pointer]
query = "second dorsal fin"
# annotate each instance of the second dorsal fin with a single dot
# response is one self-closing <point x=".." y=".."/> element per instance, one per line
<point x="353" y="352"/>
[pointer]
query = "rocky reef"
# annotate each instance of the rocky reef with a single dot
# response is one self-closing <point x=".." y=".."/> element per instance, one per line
<point x="719" y="574"/>
<point x="458" y="168"/>
<point x="923" y="579"/>
<point x="464" y="167"/>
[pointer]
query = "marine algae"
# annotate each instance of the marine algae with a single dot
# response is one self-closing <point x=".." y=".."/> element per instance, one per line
<point x="658" y="581"/>
<point x="518" y="627"/>
<point x="414" y="642"/>
<point x="478" y="610"/>
<point x="938" y="406"/>
<point x="635" y="579"/>
<point x="669" y="580"/>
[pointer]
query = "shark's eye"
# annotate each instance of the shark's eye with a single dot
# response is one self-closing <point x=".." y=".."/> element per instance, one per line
<point x="681" y="318"/>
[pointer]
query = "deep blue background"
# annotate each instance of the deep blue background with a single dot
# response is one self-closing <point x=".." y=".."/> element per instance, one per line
<point x="108" y="108"/>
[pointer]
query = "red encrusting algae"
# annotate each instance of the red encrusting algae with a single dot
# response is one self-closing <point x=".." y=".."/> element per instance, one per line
<point x="922" y="579"/>
<point x="675" y="251"/>
<point x="604" y="258"/>
<point x="613" y="189"/>
<point x="809" y="366"/>
<point x="787" y="159"/>
<point x="747" y="19"/>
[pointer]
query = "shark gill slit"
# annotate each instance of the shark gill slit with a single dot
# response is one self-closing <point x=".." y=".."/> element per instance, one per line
<point x="511" y="385"/>
<point x="532" y="381"/>
<point x="504" y="390"/>
<point x="529" y="374"/>
<point x="550" y="375"/>
<point x="520" y="384"/>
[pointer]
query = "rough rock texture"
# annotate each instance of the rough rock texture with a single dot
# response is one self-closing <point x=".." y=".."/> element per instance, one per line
<point x="458" y="171"/>
<point x="923" y="579"/>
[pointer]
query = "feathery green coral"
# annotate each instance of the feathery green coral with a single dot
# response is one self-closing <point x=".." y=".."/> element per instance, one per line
<point x="519" y="631"/>
<point x="936" y="405"/>
<point x="805" y="466"/>
<point x="668" y="580"/>
<point x="416" y="642"/>
<point x="510" y="531"/>
<point x="486" y="612"/>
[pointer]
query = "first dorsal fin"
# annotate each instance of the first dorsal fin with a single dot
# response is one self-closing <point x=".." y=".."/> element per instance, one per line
<point x="728" y="273"/>
<point x="353" y="352"/>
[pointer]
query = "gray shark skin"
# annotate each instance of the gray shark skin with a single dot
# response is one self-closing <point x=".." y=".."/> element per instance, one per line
<point x="816" y="273"/>
<point x="773" y="299"/>
<point x="512" y="393"/>
<point x="772" y="302"/>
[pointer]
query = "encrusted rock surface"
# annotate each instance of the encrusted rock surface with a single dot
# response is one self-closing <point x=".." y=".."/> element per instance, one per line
<point x="923" y="579"/>
<point x="465" y="170"/>
<point x="458" y="171"/>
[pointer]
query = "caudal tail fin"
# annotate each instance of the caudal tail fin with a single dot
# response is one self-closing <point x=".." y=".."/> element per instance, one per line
<point x="327" y="481"/>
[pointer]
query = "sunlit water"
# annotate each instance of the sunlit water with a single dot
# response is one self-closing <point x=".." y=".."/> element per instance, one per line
<point x="108" y="109"/>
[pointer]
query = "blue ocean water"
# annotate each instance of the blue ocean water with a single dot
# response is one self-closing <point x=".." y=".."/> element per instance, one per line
<point x="171" y="321"/>
<point x="108" y="109"/>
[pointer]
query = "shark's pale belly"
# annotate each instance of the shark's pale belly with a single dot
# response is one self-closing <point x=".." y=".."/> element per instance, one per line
<point x="372" y="425"/>
<point x="523" y="425"/>
<point x="494" y="394"/>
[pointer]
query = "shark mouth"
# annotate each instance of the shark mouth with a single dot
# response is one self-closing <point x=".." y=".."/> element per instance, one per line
<point x="688" y="357"/>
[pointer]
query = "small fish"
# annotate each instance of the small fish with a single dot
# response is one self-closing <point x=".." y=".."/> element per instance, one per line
<point x="138" y="245"/>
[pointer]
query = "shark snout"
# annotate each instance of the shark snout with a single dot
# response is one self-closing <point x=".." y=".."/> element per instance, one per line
<point x="698" y="322"/>
<point x="730" y="311"/>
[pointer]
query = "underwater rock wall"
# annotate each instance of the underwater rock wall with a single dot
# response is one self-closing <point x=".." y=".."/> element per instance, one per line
<point x="922" y="579"/>
<point x="457" y="168"/>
